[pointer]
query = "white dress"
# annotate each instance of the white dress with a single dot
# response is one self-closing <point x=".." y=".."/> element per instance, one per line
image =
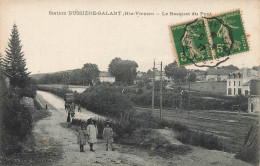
<point x="92" y="133"/>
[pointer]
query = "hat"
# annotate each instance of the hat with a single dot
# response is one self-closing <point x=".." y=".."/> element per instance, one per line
<point x="108" y="122"/>
<point x="91" y="120"/>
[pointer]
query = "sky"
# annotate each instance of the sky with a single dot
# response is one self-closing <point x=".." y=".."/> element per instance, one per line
<point x="54" y="43"/>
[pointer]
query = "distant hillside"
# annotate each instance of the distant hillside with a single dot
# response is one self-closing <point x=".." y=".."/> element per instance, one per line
<point x="39" y="76"/>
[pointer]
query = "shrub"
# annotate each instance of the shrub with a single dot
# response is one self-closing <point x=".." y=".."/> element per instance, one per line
<point x="59" y="92"/>
<point x="196" y="138"/>
<point x="105" y="100"/>
<point x="15" y="119"/>
<point x="198" y="101"/>
<point x="16" y="124"/>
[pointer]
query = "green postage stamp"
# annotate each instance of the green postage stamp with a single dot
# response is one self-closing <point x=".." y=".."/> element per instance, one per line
<point x="209" y="38"/>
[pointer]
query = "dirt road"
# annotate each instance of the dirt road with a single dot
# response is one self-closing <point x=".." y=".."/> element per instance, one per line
<point x="51" y="130"/>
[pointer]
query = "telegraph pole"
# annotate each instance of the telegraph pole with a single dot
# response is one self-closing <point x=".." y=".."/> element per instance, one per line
<point x="153" y="86"/>
<point x="161" y="92"/>
<point x="181" y="101"/>
<point x="189" y="98"/>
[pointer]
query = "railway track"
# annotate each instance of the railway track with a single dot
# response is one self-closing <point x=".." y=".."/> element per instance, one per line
<point x="230" y="127"/>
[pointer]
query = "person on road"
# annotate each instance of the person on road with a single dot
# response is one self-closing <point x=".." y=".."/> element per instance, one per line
<point x="79" y="108"/>
<point x="69" y="119"/>
<point x="46" y="106"/>
<point x="92" y="134"/>
<point x="82" y="138"/>
<point x="108" y="135"/>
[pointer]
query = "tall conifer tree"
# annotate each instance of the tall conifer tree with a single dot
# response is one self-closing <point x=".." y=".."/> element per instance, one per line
<point x="1" y="62"/>
<point x="14" y="62"/>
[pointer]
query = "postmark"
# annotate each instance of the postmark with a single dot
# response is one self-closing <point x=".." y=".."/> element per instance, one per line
<point x="209" y="41"/>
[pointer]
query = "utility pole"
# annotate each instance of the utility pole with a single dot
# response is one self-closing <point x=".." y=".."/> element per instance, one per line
<point x="161" y="92"/>
<point x="189" y="98"/>
<point x="181" y="102"/>
<point x="153" y="86"/>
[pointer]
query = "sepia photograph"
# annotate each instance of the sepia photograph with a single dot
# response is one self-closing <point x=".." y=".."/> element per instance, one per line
<point x="129" y="82"/>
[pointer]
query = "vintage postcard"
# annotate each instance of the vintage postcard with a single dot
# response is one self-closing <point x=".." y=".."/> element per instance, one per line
<point x="149" y="83"/>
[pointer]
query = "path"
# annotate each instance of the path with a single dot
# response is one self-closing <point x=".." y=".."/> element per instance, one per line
<point x="50" y="129"/>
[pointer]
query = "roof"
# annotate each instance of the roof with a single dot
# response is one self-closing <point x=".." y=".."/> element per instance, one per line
<point x="213" y="71"/>
<point x="105" y="74"/>
<point x="254" y="73"/>
<point x="201" y="73"/>
<point x="247" y="83"/>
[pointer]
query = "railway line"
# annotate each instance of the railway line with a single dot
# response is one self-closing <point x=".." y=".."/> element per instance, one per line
<point x="230" y="127"/>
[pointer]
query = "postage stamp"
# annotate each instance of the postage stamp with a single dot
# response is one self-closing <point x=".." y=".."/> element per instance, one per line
<point x="209" y="39"/>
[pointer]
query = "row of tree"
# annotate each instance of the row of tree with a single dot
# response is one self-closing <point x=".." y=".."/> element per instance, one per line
<point x="87" y="75"/>
<point x="123" y="71"/>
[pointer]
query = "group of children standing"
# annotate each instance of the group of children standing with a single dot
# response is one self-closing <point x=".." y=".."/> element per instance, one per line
<point x="89" y="134"/>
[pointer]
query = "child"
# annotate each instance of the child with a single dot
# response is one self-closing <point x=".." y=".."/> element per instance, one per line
<point x="92" y="133"/>
<point x="108" y="136"/>
<point x="69" y="119"/>
<point x="81" y="138"/>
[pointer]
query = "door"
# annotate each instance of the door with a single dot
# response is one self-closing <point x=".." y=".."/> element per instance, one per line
<point x="252" y="107"/>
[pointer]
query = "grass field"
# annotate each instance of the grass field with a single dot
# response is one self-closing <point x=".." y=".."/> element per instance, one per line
<point x="209" y="87"/>
<point x="230" y="127"/>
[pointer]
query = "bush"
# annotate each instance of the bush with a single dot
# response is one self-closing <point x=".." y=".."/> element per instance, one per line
<point x="59" y="92"/>
<point x="198" y="101"/>
<point x="15" y="119"/>
<point x="16" y="124"/>
<point x="196" y="138"/>
<point x="105" y="100"/>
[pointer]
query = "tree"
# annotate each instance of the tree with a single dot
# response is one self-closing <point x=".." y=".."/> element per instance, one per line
<point x="256" y="67"/>
<point x="229" y="67"/>
<point x="123" y="70"/>
<point x="192" y="77"/>
<point x="90" y="73"/>
<point x="1" y="62"/>
<point x="14" y="62"/>
<point x="177" y="73"/>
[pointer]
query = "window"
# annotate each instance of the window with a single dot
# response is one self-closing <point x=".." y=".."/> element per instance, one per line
<point x="239" y="91"/>
<point x="238" y="83"/>
<point x="234" y="83"/>
<point x="229" y="91"/>
<point x="248" y="73"/>
<point x="229" y="83"/>
<point x="246" y="92"/>
<point x="234" y="91"/>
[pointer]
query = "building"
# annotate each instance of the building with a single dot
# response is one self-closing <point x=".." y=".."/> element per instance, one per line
<point x="254" y="97"/>
<point x="139" y="74"/>
<point x="201" y="76"/>
<point x="105" y="76"/>
<point x="213" y="74"/>
<point x="238" y="82"/>
<point x="158" y="76"/>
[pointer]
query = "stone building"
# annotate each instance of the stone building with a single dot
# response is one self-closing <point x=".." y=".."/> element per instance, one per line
<point x="213" y="74"/>
<point x="105" y="76"/>
<point x="254" y="97"/>
<point x="238" y="82"/>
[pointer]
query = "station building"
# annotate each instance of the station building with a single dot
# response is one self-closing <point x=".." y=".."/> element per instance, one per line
<point x="238" y="82"/>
